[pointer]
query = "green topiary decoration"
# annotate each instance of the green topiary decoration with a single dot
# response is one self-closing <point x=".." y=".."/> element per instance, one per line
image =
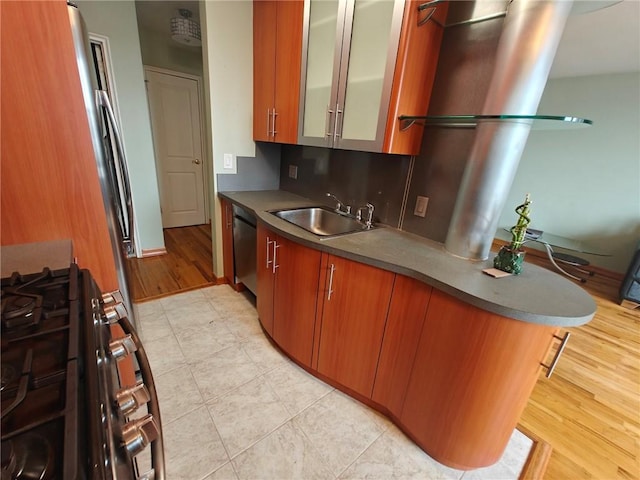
<point x="510" y="258"/>
<point x="519" y="230"/>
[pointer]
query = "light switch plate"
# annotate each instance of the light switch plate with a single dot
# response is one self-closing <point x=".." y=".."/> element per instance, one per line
<point x="228" y="161"/>
<point x="421" y="206"/>
<point x="293" y="171"/>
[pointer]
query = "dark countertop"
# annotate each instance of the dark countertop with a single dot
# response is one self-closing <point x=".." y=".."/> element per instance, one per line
<point x="28" y="258"/>
<point x="536" y="295"/>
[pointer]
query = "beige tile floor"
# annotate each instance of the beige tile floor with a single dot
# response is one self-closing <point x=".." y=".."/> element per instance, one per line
<point x="233" y="407"/>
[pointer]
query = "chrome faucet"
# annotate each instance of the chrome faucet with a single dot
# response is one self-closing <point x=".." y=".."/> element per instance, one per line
<point x="369" y="221"/>
<point x="340" y="205"/>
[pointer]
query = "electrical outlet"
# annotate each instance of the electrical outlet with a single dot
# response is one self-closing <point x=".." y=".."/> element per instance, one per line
<point x="293" y="171"/>
<point x="421" y="206"/>
<point x="228" y="161"/>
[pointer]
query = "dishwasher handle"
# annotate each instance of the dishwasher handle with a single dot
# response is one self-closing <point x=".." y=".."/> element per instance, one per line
<point x="244" y="220"/>
<point x="244" y="215"/>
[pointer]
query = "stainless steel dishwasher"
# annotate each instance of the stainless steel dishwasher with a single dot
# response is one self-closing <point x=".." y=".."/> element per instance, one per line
<point x="244" y="247"/>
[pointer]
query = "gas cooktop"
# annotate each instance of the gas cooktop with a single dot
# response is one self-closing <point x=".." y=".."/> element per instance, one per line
<point x="41" y="372"/>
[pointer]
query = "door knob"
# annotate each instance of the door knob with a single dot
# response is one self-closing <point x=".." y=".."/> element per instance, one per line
<point x="196" y="161"/>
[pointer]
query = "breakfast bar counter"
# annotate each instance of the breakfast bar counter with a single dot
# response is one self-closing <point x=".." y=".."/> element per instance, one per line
<point x="536" y="295"/>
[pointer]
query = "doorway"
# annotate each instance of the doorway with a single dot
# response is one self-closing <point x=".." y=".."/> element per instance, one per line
<point x="176" y="111"/>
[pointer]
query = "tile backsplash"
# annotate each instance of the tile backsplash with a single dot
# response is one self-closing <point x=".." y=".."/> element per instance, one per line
<point x="463" y="76"/>
<point x="354" y="177"/>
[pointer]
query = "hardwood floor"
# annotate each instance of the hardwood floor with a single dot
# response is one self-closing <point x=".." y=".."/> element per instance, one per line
<point x="187" y="265"/>
<point x="589" y="410"/>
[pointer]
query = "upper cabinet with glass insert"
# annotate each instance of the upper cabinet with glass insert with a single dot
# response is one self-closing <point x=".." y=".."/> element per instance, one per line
<point x="363" y="61"/>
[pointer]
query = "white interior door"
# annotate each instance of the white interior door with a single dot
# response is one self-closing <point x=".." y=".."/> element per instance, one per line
<point x="175" y="118"/>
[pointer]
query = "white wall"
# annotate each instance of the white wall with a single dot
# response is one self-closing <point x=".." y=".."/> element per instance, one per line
<point x="117" y="21"/>
<point x="585" y="184"/>
<point x="229" y="47"/>
<point x="159" y="50"/>
<point x="227" y="28"/>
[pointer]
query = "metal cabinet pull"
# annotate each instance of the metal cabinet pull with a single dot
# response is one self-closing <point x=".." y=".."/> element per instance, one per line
<point x="335" y="125"/>
<point x="327" y="122"/>
<point x="275" y="251"/>
<point x="273" y="129"/>
<point x="269" y="242"/>
<point x="333" y="269"/>
<point x="550" y="368"/>
<point x="268" y="122"/>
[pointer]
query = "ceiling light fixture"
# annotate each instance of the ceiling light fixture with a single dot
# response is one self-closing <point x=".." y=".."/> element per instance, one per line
<point x="184" y="30"/>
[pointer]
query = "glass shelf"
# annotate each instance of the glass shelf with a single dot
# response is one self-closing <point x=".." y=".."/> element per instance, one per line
<point x="579" y="7"/>
<point x="537" y="122"/>
<point x="504" y="234"/>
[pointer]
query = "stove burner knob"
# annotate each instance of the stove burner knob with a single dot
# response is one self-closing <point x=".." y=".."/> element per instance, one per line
<point x="121" y="347"/>
<point x="113" y="313"/>
<point x="132" y="398"/>
<point x="112" y="297"/>
<point x="137" y="434"/>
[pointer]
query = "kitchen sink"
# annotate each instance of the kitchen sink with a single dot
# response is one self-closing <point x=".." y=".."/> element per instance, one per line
<point x="321" y="221"/>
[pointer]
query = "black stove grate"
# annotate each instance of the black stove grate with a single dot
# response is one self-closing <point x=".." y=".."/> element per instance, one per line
<point x="41" y="375"/>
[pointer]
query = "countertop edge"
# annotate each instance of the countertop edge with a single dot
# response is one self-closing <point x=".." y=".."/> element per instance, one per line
<point x="282" y="199"/>
<point x="26" y="258"/>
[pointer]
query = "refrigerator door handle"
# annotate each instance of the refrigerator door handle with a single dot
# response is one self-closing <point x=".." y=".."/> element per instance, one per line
<point x="126" y="224"/>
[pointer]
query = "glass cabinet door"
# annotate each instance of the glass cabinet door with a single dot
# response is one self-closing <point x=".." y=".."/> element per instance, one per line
<point x="324" y="26"/>
<point x="369" y="62"/>
<point x="349" y="53"/>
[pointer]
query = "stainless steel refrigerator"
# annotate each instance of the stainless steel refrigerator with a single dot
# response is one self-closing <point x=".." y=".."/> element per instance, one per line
<point x="109" y="152"/>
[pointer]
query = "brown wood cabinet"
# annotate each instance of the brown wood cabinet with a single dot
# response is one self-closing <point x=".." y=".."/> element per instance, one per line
<point x="50" y="187"/>
<point x="355" y="300"/>
<point x="288" y="279"/>
<point x="408" y="308"/>
<point x="277" y="50"/>
<point x="227" y="241"/>
<point x="472" y="376"/>
<point x="454" y="377"/>
<point x="415" y="72"/>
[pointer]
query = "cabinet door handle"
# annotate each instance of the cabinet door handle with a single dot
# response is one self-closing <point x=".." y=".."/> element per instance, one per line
<point x="335" y="126"/>
<point x="269" y="242"/>
<point x="275" y="251"/>
<point x="274" y="114"/>
<point x="227" y="216"/>
<point x="333" y="269"/>
<point x="563" y="343"/>
<point x="268" y="122"/>
<point x="327" y="122"/>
